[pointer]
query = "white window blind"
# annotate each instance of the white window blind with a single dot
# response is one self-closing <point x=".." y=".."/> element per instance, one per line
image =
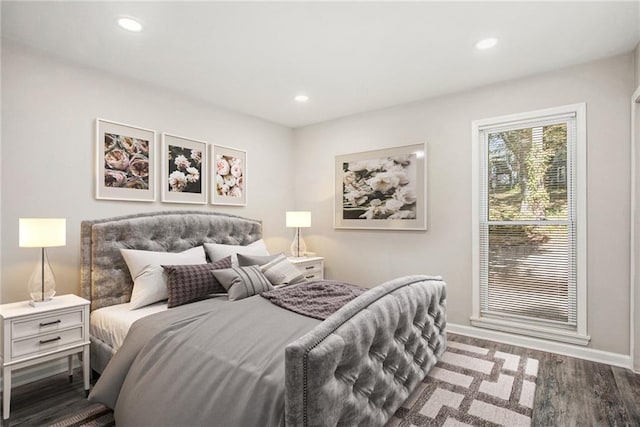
<point x="527" y="232"/>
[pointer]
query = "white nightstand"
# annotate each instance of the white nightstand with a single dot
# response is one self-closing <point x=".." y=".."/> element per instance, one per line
<point x="312" y="267"/>
<point x="32" y="335"/>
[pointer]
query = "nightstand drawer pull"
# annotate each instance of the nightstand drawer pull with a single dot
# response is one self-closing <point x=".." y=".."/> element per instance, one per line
<point x="50" y="340"/>
<point x="311" y="267"/>
<point x="50" y="323"/>
<point x="311" y="276"/>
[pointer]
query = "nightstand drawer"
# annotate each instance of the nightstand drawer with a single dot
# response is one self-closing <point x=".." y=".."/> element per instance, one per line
<point x="46" y="342"/>
<point x="317" y="275"/>
<point x="312" y="269"/>
<point x="45" y="324"/>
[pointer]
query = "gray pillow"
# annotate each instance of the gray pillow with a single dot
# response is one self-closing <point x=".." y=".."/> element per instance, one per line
<point x="188" y="283"/>
<point x="242" y="282"/>
<point x="217" y="251"/>
<point x="279" y="271"/>
<point x="247" y="260"/>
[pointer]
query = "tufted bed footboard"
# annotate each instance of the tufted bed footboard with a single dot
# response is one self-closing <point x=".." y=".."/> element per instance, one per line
<point x="357" y="367"/>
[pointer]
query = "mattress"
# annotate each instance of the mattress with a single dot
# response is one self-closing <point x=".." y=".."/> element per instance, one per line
<point x="111" y="324"/>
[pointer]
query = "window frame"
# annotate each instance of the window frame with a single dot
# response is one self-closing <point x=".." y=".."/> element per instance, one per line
<point x="531" y="328"/>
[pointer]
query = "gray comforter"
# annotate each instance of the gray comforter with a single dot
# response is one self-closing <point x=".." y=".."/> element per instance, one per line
<point x="191" y="366"/>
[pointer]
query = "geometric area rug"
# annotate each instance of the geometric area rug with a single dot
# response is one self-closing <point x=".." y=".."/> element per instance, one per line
<point x="472" y="386"/>
<point x="95" y="415"/>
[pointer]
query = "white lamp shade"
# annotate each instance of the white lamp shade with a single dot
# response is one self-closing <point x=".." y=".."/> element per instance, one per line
<point x="299" y="219"/>
<point x="42" y="232"/>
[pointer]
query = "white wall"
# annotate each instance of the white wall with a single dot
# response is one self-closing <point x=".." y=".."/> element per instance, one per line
<point x="371" y="257"/>
<point x="49" y="109"/>
<point x="47" y="169"/>
<point x="635" y="318"/>
<point x="637" y="63"/>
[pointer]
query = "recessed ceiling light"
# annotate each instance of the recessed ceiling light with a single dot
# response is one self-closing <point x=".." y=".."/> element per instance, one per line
<point x="486" y="43"/>
<point x="301" y="98"/>
<point x="130" y="24"/>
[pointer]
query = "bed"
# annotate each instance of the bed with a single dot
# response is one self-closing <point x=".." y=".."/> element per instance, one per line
<point x="264" y="365"/>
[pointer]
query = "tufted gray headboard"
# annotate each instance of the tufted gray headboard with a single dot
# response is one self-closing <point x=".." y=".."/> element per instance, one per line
<point x="105" y="278"/>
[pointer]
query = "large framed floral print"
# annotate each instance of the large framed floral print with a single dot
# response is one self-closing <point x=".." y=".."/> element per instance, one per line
<point x="125" y="163"/>
<point x="382" y="189"/>
<point x="184" y="170"/>
<point x="229" y="176"/>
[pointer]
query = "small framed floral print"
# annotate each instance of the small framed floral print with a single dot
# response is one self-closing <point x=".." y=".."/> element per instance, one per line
<point x="229" y="176"/>
<point x="184" y="170"/>
<point x="382" y="189"/>
<point x="125" y="162"/>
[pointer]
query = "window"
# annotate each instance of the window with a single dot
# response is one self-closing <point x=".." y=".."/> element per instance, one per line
<point x="530" y="224"/>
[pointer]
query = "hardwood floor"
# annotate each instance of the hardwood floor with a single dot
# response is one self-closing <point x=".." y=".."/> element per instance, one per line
<point x="46" y="401"/>
<point x="570" y="392"/>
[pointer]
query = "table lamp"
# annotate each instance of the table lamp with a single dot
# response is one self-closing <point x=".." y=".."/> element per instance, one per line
<point x="298" y="219"/>
<point x="42" y="233"/>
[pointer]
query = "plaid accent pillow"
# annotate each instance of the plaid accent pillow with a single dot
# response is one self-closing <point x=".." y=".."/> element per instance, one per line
<point x="188" y="283"/>
<point x="242" y="282"/>
<point x="280" y="271"/>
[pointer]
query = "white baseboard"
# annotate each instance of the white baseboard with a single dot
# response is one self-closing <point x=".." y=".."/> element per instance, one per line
<point x="580" y="352"/>
<point x="40" y="371"/>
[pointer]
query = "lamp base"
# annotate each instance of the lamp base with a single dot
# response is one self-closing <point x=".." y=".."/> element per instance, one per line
<point x="42" y="283"/>
<point x="36" y="304"/>
<point x="298" y="247"/>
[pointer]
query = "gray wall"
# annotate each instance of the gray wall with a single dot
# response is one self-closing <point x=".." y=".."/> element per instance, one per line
<point x="49" y="109"/>
<point x="371" y="257"/>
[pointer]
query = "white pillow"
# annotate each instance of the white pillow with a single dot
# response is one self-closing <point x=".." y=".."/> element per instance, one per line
<point x="217" y="251"/>
<point x="149" y="278"/>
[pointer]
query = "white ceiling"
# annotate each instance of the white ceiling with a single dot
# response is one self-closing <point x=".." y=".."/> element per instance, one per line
<point x="348" y="57"/>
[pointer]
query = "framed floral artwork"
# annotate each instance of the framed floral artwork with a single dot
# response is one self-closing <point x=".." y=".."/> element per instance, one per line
<point x="184" y="170"/>
<point x="125" y="162"/>
<point x="382" y="189"/>
<point x="229" y="176"/>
